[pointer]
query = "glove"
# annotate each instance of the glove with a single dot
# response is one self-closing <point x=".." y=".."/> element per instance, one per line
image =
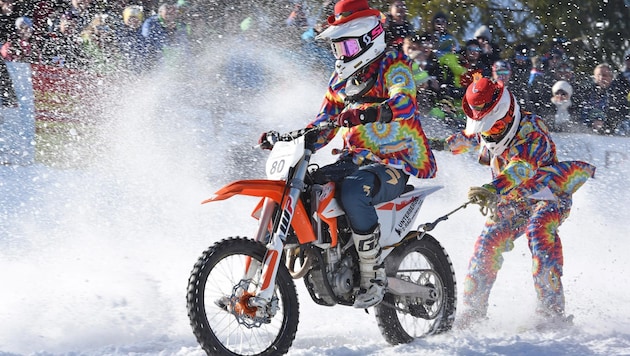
<point x="486" y="199"/>
<point x="353" y="117"/>
<point x="268" y="139"/>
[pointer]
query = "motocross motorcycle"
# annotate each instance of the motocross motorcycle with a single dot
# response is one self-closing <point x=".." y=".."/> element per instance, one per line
<point x="241" y="297"/>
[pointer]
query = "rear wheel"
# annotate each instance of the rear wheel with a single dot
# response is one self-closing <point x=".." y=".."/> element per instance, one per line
<point x="218" y="294"/>
<point x="401" y="319"/>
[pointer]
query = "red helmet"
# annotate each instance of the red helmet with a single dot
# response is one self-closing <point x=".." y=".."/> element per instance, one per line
<point x="492" y="111"/>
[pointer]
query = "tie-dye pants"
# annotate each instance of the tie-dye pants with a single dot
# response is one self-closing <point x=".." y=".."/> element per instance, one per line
<point x="539" y="221"/>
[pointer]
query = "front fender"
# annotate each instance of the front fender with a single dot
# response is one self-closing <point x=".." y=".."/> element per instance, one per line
<point x="272" y="189"/>
<point x="252" y="187"/>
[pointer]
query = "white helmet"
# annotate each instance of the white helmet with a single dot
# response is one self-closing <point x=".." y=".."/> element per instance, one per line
<point x="355" y="43"/>
<point x="493" y="112"/>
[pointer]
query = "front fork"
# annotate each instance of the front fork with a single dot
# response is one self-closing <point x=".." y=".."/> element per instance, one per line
<point x="275" y="246"/>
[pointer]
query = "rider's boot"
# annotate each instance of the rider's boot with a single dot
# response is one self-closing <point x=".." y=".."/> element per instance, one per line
<point x="373" y="278"/>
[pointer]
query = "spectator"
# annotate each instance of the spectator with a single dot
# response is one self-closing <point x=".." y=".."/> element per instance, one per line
<point x="490" y="51"/>
<point x="130" y="40"/>
<point x="9" y="12"/>
<point x="623" y="79"/>
<point x="470" y="59"/>
<point x="101" y="47"/>
<point x="44" y="12"/>
<point x="551" y="60"/>
<point x="502" y="71"/>
<point x="604" y="106"/>
<point x="556" y="53"/>
<point x="397" y="26"/>
<point x="83" y="13"/>
<point x="535" y="72"/>
<point x="622" y="85"/>
<point x="425" y="69"/>
<point x="20" y="47"/>
<point x="443" y="41"/>
<point x="539" y="94"/>
<point x="446" y="47"/>
<point x="64" y="46"/>
<point x="164" y="35"/>
<point x="565" y="119"/>
<point x="521" y="66"/>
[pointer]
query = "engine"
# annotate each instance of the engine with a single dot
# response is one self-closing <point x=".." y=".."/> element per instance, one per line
<point x="332" y="279"/>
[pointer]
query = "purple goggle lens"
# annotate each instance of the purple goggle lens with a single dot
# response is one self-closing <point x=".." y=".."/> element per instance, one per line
<point x="346" y="48"/>
<point x="349" y="47"/>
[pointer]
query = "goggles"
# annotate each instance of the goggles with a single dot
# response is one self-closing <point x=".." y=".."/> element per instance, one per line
<point x="473" y="49"/>
<point x="350" y="47"/>
<point x="521" y="57"/>
<point x="561" y="92"/>
<point x="500" y="128"/>
<point x="502" y="72"/>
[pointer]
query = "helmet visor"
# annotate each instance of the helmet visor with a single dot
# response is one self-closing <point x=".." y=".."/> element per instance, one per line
<point x="500" y="127"/>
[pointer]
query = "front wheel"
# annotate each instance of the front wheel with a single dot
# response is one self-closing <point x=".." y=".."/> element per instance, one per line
<point x="401" y="319"/>
<point x="219" y="291"/>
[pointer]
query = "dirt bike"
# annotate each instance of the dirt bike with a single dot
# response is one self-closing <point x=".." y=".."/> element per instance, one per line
<point x="242" y="298"/>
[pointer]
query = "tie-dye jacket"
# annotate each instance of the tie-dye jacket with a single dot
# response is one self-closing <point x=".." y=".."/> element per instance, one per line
<point x="528" y="165"/>
<point x="401" y="143"/>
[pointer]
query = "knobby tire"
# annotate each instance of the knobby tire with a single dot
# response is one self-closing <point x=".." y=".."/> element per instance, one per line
<point x="426" y="318"/>
<point x="217" y="330"/>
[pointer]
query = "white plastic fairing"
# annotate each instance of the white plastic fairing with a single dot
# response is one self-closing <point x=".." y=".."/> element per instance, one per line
<point x="397" y="217"/>
<point x="284" y="155"/>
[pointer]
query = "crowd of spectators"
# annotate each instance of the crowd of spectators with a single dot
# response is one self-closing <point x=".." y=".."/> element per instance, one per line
<point x="124" y="36"/>
<point x="545" y="84"/>
<point x="84" y="35"/>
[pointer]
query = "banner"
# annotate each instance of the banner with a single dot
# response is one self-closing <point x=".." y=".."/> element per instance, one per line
<point x="17" y="124"/>
<point x="63" y="94"/>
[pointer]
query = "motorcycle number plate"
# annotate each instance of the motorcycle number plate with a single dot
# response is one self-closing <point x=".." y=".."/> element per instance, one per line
<point x="284" y="155"/>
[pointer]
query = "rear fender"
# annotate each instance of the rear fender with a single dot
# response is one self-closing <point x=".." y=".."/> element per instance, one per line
<point x="397" y="216"/>
<point x="272" y="189"/>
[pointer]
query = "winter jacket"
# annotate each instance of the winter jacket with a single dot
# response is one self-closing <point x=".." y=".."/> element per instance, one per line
<point x="608" y="105"/>
<point x="529" y="165"/>
<point x="132" y="47"/>
<point x="400" y="143"/>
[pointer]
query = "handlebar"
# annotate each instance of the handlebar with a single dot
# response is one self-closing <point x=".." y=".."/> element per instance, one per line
<point x="274" y="136"/>
<point x="289" y="136"/>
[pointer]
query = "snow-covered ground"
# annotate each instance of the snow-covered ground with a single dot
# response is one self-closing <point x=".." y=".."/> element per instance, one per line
<point x="95" y="260"/>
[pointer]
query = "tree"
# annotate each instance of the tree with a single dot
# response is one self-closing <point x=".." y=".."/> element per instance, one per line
<point x="594" y="31"/>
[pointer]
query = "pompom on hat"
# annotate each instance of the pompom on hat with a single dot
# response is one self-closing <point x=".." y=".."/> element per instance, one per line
<point x="348" y="10"/>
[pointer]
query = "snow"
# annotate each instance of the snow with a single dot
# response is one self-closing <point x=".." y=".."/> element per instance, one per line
<point x="94" y="260"/>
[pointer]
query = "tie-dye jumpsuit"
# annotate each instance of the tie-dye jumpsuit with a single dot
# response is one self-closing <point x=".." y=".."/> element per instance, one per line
<point x="386" y="152"/>
<point x="535" y="198"/>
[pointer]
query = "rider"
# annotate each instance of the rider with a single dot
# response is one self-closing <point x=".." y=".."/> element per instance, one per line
<point x="531" y="193"/>
<point x="372" y="94"/>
